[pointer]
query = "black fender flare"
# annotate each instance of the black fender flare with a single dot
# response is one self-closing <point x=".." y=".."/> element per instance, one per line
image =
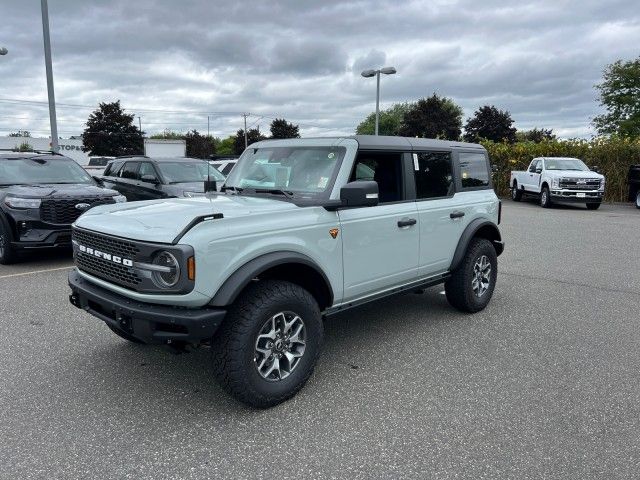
<point x="477" y="228"/>
<point x="235" y="284"/>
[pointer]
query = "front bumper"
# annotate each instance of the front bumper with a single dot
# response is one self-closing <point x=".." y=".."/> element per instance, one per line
<point x="147" y="322"/>
<point x="572" y="196"/>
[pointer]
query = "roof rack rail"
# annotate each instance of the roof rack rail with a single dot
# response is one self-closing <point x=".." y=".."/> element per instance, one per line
<point x="131" y="156"/>
<point x="32" y="150"/>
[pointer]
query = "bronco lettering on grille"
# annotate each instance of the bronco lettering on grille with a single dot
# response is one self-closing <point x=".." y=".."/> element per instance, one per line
<point x="106" y="256"/>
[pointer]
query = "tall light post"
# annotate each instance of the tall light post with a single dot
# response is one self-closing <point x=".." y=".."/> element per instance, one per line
<point x="376" y="73"/>
<point x="47" y="62"/>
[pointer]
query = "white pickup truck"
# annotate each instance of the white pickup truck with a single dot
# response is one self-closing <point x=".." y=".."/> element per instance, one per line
<point x="558" y="179"/>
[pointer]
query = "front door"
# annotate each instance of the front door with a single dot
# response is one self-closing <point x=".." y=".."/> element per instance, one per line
<point x="147" y="188"/>
<point x="381" y="243"/>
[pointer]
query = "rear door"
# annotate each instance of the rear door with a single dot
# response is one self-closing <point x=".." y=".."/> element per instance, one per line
<point x="441" y="214"/>
<point x="381" y="243"/>
<point x="128" y="180"/>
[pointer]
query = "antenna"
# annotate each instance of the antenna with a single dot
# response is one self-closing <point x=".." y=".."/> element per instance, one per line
<point x="209" y="186"/>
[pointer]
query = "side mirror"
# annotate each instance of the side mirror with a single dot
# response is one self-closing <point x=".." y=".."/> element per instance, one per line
<point x="97" y="179"/>
<point x="149" y="179"/>
<point x="538" y="170"/>
<point x="210" y="186"/>
<point x="362" y="193"/>
<point x="595" y="168"/>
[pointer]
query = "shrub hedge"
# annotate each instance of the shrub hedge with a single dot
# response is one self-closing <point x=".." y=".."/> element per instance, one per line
<point x="612" y="155"/>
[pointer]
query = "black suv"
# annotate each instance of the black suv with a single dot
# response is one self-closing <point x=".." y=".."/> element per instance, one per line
<point x="41" y="195"/>
<point x="144" y="178"/>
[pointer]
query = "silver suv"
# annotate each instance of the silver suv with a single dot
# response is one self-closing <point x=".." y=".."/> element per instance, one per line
<point x="302" y="229"/>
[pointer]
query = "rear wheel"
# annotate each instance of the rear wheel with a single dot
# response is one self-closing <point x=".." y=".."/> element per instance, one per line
<point x="593" y="206"/>
<point x="267" y="347"/>
<point x="545" y="198"/>
<point x="516" y="195"/>
<point x="471" y="285"/>
<point x="8" y="253"/>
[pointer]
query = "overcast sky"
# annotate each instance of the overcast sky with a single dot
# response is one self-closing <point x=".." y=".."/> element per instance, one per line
<point x="172" y="62"/>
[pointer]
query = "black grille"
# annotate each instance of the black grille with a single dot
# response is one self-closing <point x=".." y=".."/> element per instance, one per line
<point x="63" y="210"/>
<point x="580" y="183"/>
<point x="106" y="269"/>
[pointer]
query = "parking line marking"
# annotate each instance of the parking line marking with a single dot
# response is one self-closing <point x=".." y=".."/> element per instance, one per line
<point x="22" y="274"/>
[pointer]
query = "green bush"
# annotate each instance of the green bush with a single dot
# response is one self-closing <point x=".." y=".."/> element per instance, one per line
<point x="612" y="155"/>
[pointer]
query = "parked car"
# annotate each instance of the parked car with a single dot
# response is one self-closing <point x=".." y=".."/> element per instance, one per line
<point x="558" y="179"/>
<point x="634" y="184"/>
<point x="41" y="195"/>
<point x="304" y="228"/>
<point x="96" y="165"/>
<point x="224" y="163"/>
<point x="144" y="178"/>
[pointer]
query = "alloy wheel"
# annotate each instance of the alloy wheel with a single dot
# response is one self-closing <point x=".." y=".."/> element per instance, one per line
<point x="280" y="346"/>
<point x="481" y="279"/>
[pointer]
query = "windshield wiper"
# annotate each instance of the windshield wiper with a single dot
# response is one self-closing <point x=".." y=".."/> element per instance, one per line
<point x="273" y="191"/>
<point x="231" y="188"/>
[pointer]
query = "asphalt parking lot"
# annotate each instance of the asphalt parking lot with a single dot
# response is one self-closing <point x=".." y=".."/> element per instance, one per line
<point x="544" y="383"/>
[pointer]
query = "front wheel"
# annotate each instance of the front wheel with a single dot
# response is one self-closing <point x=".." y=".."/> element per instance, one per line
<point x="8" y="254"/>
<point x="545" y="198"/>
<point x="471" y="285"/>
<point x="593" y="206"/>
<point x="267" y="347"/>
<point x="516" y="195"/>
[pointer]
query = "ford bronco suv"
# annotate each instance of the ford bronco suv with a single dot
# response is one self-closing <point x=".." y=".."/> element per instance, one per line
<point x="41" y="195"/>
<point x="556" y="179"/>
<point x="301" y="229"/>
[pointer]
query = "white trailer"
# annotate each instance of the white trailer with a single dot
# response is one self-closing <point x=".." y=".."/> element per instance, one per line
<point x="164" y="148"/>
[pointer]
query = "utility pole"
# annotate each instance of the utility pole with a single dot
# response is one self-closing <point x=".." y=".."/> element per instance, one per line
<point x="140" y="124"/>
<point x="208" y="134"/>
<point x="245" y="115"/>
<point x="47" y="62"/>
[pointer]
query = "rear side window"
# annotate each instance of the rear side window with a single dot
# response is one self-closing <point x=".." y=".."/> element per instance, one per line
<point x="474" y="170"/>
<point x="433" y="174"/>
<point x="130" y="170"/>
<point x="112" y="169"/>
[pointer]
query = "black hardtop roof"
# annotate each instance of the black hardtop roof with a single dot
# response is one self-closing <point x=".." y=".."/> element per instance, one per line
<point x="384" y="142"/>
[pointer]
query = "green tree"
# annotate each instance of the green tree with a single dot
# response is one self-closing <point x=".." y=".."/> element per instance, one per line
<point x="23" y="147"/>
<point x="21" y="133"/>
<point x="199" y="146"/>
<point x="489" y="123"/>
<point x="536" y="135"/>
<point x="253" y="135"/>
<point x="619" y="94"/>
<point x="111" y="132"/>
<point x="389" y="122"/>
<point x="227" y="146"/>
<point x="280" y="128"/>
<point x="168" y="134"/>
<point x="433" y="117"/>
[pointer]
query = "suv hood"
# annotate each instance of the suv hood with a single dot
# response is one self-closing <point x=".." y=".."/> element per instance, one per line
<point x="59" y="190"/>
<point x="163" y="220"/>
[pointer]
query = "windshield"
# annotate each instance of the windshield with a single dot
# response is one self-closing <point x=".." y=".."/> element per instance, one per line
<point x="304" y="171"/>
<point x="36" y="170"/>
<point x="185" y="172"/>
<point x="566" y="164"/>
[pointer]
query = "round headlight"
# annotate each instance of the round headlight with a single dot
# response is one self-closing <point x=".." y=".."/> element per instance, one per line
<point x="169" y="275"/>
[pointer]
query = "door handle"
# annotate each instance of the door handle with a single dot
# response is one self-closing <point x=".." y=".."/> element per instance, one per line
<point x="406" y="222"/>
<point x="456" y="215"/>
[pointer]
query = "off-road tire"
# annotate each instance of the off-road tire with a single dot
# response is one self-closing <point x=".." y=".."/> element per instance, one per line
<point x="124" y="335"/>
<point x="516" y="193"/>
<point x="233" y="345"/>
<point x="638" y="200"/>
<point x="593" y="206"/>
<point x="8" y="254"/>
<point x="545" y="198"/>
<point x="459" y="288"/>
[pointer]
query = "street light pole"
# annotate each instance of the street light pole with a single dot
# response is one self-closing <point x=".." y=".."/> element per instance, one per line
<point x="376" y="73"/>
<point x="47" y="62"/>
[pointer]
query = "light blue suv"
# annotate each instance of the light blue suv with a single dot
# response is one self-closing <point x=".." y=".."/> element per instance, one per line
<point x="302" y="229"/>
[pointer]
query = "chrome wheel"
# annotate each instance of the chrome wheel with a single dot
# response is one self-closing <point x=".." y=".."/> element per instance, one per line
<point x="481" y="276"/>
<point x="543" y="199"/>
<point x="280" y="346"/>
<point x="514" y="193"/>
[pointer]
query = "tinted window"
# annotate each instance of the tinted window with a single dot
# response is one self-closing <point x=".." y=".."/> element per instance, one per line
<point x="41" y="170"/>
<point x="474" y="171"/>
<point x="383" y="168"/>
<point x="130" y="170"/>
<point x="534" y="165"/>
<point x="112" y="169"/>
<point x="434" y="174"/>
<point x="147" y="169"/>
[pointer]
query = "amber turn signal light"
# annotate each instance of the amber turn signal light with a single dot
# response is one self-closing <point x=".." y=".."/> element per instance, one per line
<point x="191" y="268"/>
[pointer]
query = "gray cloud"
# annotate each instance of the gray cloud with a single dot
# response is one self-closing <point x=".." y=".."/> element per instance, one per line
<point x="301" y="60"/>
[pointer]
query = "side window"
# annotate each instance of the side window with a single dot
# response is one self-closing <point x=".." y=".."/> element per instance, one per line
<point x="147" y="169"/>
<point x="433" y="174"/>
<point x="534" y="165"/>
<point x="385" y="168"/>
<point x="112" y="169"/>
<point x="474" y="171"/>
<point x="130" y="171"/>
